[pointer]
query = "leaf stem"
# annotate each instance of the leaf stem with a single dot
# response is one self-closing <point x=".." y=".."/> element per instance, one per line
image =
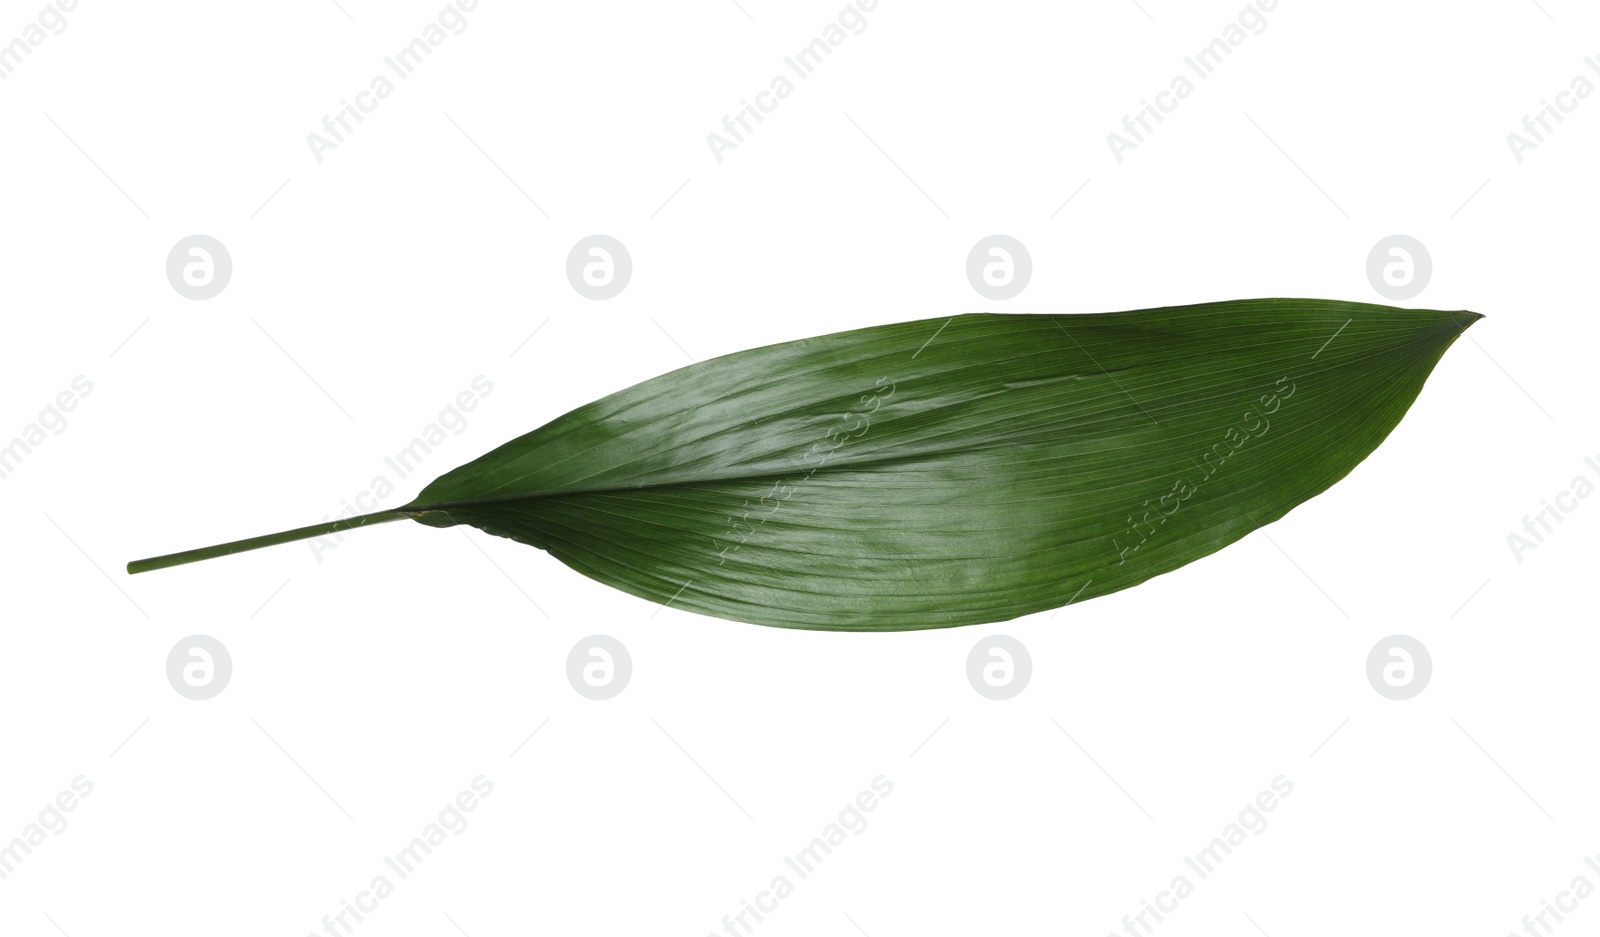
<point x="266" y="540"/>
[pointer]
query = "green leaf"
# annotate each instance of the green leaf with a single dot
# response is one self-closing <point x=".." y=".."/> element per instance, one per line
<point x="947" y="471"/>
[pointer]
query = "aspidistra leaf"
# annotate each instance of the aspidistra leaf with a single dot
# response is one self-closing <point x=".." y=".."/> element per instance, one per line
<point x="946" y="471"/>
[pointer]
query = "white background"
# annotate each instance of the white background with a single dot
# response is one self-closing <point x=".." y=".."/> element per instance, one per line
<point x="372" y="686"/>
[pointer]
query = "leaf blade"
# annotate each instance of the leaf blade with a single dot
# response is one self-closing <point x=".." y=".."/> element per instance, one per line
<point x="953" y="471"/>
